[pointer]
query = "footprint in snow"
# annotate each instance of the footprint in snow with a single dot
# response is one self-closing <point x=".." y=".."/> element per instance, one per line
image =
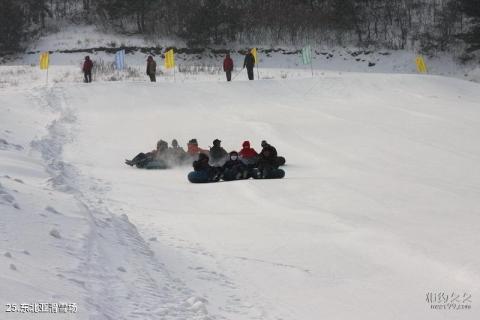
<point x="7" y="254"/>
<point x="54" y="233"/>
<point x="5" y="145"/>
<point x="52" y="210"/>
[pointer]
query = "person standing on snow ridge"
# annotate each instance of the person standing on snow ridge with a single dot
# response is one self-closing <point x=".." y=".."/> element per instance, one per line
<point x="151" y="69"/>
<point x="249" y="63"/>
<point x="87" y="69"/>
<point x="228" y="67"/>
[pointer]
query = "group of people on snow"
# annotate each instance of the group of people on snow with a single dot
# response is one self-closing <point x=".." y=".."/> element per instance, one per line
<point x="214" y="163"/>
<point x="249" y="64"/>
<point x="246" y="163"/>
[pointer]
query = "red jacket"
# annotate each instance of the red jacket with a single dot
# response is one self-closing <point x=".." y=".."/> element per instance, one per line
<point x="227" y="64"/>
<point x="246" y="151"/>
<point x="87" y="65"/>
<point x="193" y="149"/>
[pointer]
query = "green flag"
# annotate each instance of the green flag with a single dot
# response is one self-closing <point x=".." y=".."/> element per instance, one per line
<point x="307" y="55"/>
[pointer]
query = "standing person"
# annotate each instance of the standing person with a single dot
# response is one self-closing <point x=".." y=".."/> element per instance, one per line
<point x="87" y="69"/>
<point x="151" y="69"/>
<point x="228" y="67"/>
<point x="249" y="63"/>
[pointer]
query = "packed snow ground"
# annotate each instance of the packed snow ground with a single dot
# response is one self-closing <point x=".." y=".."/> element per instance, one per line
<point x="380" y="204"/>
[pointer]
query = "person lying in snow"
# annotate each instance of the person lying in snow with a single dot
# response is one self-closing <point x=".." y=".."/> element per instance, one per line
<point x="156" y="159"/>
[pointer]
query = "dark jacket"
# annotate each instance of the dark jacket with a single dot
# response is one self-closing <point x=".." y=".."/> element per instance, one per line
<point x="217" y="153"/>
<point x="234" y="165"/>
<point x="202" y="163"/>
<point x="269" y="149"/>
<point x="151" y="67"/>
<point x="267" y="158"/>
<point x="227" y="64"/>
<point x="87" y="65"/>
<point x="249" y="61"/>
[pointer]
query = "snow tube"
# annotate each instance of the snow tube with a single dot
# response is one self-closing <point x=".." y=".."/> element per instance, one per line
<point x="231" y="175"/>
<point x="198" y="177"/>
<point x="156" y="164"/>
<point x="270" y="174"/>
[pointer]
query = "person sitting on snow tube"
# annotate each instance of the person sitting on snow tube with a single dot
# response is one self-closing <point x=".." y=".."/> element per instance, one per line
<point x="234" y="169"/>
<point x="203" y="172"/>
<point x="248" y="155"/>
<point x="267" y="165"/>
<point x="218" y="155"/>
<point x="156" y="159"/>
<point x="280" y="160"/>
<point x="194" y="150"/>
<point x="176" y="154"/>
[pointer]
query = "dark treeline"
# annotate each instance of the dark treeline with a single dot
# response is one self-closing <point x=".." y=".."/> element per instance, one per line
<point x="427" y="25"/>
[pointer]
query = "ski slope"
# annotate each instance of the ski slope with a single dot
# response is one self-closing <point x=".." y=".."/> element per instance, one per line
<point x="379" y="207"/>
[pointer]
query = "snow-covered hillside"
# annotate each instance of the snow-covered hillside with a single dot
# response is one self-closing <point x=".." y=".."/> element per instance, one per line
<point x="69" y="46"/>
<point x="379" y="207"/>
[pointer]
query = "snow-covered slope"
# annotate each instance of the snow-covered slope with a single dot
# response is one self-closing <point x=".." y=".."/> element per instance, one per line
<point x="379" y="207"/>
<point x="69" y="46"/>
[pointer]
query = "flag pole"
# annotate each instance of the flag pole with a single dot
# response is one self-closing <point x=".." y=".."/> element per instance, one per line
<point x="311" y="61"/>
<point x="258" y="62"/>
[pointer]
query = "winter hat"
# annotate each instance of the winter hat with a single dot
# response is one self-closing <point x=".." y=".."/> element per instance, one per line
<point x="174" y="143"/>
<point x="233" y="154"/>
<point x="193" y="141"/>
<point x="264" y="143"/>
<point x="246" y="144"/>
<point x="216" y="142"/>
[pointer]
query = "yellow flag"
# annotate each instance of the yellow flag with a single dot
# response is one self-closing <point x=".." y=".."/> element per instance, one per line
<point x="44" y="61"/>
<point x="254" y="53"/>
<point x="169" y="59"/>
<point x="421" y="66"/>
